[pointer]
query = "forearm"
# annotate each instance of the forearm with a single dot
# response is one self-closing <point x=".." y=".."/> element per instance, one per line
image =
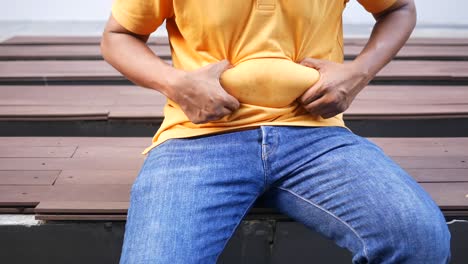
<point x="137" y="62"/>
<point x="391" y="31"/>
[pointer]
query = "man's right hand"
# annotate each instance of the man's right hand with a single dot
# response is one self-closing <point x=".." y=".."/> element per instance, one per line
<point x="201" y="96"/>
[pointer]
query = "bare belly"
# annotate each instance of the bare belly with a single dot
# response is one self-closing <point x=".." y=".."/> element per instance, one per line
<point x="269" y="82"/>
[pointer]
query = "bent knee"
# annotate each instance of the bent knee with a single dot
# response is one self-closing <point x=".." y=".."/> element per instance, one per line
<point x="421" y="235"/>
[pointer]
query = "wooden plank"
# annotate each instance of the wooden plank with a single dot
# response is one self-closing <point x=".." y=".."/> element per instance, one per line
<point x="423" y="147"/>
<point x="418" y="162"/>
<point x="57" y="70"/>
<point x="360" y="110"/>
<point x="398" y="116"/>
<point x="52" y="40"/>
<point x="66" y="40"/>
<point x="424" y="70"/>
<point x="65" y="52"/>
<point x="113" y="163"/>
<point x="43" y="71"/>
<point x="91" y="184"/>
<point x="67" y="95"/>
<point x="439" y="175"/>
<point x="70" y="207"/>
<point x="434" y="147"/>
<point x="97" y="152"/>
<point x="437" y="41"/>
<point x="154" y="112"/>
<point x="76" y="102"/>
<point x="458" y="145"/>
<point x="123" y="217"/>
<point x="90" y="193"/>
<point x="416" y="52"/>
<point x="61" y="40"/>
<point x="448" y="196"/>
<point x="36" y="152"/>
<point x="53" y="112"/>
<point x="84" y="176"/>
<point x="128" y="176"/>
<point x="96" y="146"/>
<point x="75" y="141"/>
<point x="140" y="97"/>
<point x="414" y="94"/>
<point x="23" y="195"/>
<point x="27" y="195"/>
<point x="93" y="52"/>
<point x="28" y="177"/>
<point x="16" y="210"/>
<point x="79" y="95"/>
<point x="81" y="217"/>
<point x="122" y="95"/>
<point x="437" y="149"/>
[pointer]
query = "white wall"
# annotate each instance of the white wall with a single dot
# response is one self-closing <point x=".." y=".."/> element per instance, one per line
<point x="87" y="10"/>
<point x="432" y="12"/>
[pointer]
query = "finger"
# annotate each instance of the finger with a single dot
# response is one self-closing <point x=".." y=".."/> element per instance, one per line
<point x="220" y="114"/>
<point x="312" y="62"/>
<point x="220" y="67"/>
<point x="227" y="111"/>
<point x="329" y="114"/>
<point x="317" y="106"/>
<point x="232" y="103"/>
<point x="327" y="111"/>
<point x="311" y="94"/>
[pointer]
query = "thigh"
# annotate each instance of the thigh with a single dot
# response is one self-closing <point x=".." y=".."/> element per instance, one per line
<point x="189" y="197"/>
<point x="345" y="187"/>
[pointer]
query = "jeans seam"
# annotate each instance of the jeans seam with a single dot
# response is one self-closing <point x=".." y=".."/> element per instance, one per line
<point x="264" y="157"/>
<point x="265" y="166"/>
<point x="330" y="213"/>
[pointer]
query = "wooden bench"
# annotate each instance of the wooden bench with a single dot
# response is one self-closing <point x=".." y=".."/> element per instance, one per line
<point x="87" y="178"/>
<point x="92" y="52"/>
<point x="105" y="95"/>
<point x="99" y="71"/>
<point x="88" y="40"/>
<point x="129" y="102"/>
<point x="68" y="174"/>
<point x="61" y="59"/>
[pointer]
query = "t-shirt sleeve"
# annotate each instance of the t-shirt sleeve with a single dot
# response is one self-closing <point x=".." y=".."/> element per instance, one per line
<point x="375" y="6"/>
<point x="141" y="16"/>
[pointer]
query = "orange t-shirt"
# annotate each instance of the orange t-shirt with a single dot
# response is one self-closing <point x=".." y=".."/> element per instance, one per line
<point x="263" y="39"/>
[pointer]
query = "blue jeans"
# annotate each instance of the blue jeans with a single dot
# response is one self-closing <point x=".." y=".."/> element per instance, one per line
<point x="191" y="194"/>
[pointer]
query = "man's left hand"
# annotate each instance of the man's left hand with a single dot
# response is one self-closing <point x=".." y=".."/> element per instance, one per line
<point x="335" y="90"/>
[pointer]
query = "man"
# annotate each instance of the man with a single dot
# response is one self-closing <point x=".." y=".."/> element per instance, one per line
<point x="256" y="95"/>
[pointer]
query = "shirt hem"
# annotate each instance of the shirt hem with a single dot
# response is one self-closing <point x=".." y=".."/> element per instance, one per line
<point x="183" y="133"/>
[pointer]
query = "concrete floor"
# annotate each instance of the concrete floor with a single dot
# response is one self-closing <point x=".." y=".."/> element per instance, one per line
<point x="94" y="28"/>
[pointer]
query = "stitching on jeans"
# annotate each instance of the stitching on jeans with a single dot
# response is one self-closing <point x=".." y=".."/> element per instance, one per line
<point x="264" y="157"/>
<point x="330" y="213"/>
<point x="266" y="170"/>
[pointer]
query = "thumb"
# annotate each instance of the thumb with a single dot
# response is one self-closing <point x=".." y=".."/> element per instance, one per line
<point x="221" y="66"/>
<point x="313" y="63"/>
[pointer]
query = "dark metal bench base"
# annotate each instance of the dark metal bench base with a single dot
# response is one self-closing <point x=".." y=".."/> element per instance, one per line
<point x="255" y="241"/>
